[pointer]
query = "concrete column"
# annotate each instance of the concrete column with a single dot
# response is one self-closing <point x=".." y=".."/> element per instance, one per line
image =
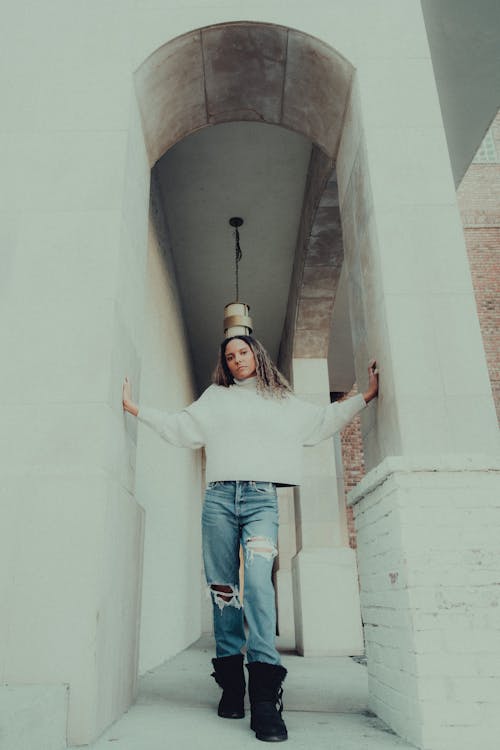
<point x="411" y="299"/>
<point x="287" y="546"/>
<point x="427" y="512"/>
<point x="74" y="190"/>
<point x="429" y="571"/>
<point x="325" y="586"/>
<point x="168" y="479"/>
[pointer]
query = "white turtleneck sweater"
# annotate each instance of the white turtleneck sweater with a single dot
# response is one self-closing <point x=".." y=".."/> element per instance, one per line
<point x="248" y="436"/>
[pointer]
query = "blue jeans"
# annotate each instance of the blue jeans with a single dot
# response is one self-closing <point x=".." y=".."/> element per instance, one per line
<point x="246" y="513"/>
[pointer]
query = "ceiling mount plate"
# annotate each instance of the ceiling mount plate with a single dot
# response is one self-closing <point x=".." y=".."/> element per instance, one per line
<point x="235" y="221"/>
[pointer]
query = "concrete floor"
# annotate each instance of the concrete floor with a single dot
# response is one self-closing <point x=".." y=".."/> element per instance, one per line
<point x="325" y="709"/>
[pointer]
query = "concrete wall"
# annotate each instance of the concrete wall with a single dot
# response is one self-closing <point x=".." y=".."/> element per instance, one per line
<point x="74" y="191"/>
<point x="410" y="290"/>
<point x="328" y="624"/>
<point x="71" y="529"/>
<point x="168" y="479"/>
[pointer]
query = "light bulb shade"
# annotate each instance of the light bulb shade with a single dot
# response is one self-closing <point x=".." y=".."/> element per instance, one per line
<point x="237" y="321"/>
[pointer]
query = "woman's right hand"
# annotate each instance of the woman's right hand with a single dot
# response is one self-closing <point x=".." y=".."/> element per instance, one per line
<point x="128" y="404"/>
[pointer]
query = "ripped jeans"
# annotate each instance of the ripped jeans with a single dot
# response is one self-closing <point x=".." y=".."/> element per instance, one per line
<point x="246" y="513"/>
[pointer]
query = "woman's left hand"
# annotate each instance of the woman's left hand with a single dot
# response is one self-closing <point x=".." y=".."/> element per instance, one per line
<point x="372" y="390"/>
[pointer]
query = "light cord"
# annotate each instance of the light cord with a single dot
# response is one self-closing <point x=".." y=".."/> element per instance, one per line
<point x="237" y="257"/>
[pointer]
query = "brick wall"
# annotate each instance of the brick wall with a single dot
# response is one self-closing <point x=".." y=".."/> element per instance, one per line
<point x="430" y="601"/>
<point x="479" y="203"/>
<point x="354" y="464"/>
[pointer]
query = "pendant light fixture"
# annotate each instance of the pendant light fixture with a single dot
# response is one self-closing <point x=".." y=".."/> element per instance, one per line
<point x="237" y="321"/>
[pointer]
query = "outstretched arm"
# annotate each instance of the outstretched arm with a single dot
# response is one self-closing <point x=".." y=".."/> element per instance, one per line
<point x="323" y="422"/>
<point x="183" y="428"/>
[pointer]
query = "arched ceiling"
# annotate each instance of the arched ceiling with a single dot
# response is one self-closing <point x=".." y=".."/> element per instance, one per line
<point x="242" y="169"/>
<point x="243" y="72"/>
<point x="235" y="76"/>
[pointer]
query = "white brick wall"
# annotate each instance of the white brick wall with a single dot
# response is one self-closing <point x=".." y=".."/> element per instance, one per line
<point x="429" y="564"/>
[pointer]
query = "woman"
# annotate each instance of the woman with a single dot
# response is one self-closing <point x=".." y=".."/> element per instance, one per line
<point x="253" y="429"/>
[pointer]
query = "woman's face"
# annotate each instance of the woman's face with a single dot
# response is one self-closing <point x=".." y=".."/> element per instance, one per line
<point x="240" y="359"/>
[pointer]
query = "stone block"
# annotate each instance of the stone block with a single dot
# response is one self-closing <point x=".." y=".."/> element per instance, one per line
<point x="284" y="593"/>
<point x="94" y="182"/>
<point x="461" y="349"/>
<point x="357" y="205"/>
<point x="168" y="480"/>
<point x="393" y="698"/>
<point x="422" y="249"/>
<point x="445" y="626"/>
<point x="251" y="52"/>
<point x="389" y="616"/>
<point x="167" y="115"/>
<point x="424" y="423"/>
<point x="310" y="376"/>
<point x="315" y="534"/>
<point x="315" y="314"/>
<point x="358" y="316"/>
<point x="57" y="357"/>
<point x="319" y="464"/>
<point x="409" y="166"/>
<point x="411" y="98"/>
<point x="73" y="253"/>
<point x="318" y="501"/>
<point x="73" y="528"/>
<point x="316" y="90"/>
<point x="319" y="281"/>
<point x="34" y="716"/>
<point x="310" y="344"/>
<point x="398" y="35"/>
<point x="370" y="267"/>
<point x="285" y="501"/>
<point x="99" y="97"/>
<point x="338" y="630"/>
<point x="443" y="736"/>
<point x="415" y="359"/>
<point x="349" y="141"/>
<point x="135" y="201"/>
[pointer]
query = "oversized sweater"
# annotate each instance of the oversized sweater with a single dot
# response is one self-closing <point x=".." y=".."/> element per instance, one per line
<point x="248" y="436"/>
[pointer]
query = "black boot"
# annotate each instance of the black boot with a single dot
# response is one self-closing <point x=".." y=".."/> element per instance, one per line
<point x="230" y="676"/>
<point x="264" y="688"/>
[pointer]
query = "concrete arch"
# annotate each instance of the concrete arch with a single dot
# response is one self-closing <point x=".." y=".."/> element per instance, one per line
<point x="249" y="71"/>
<point x="243" y="71"/>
